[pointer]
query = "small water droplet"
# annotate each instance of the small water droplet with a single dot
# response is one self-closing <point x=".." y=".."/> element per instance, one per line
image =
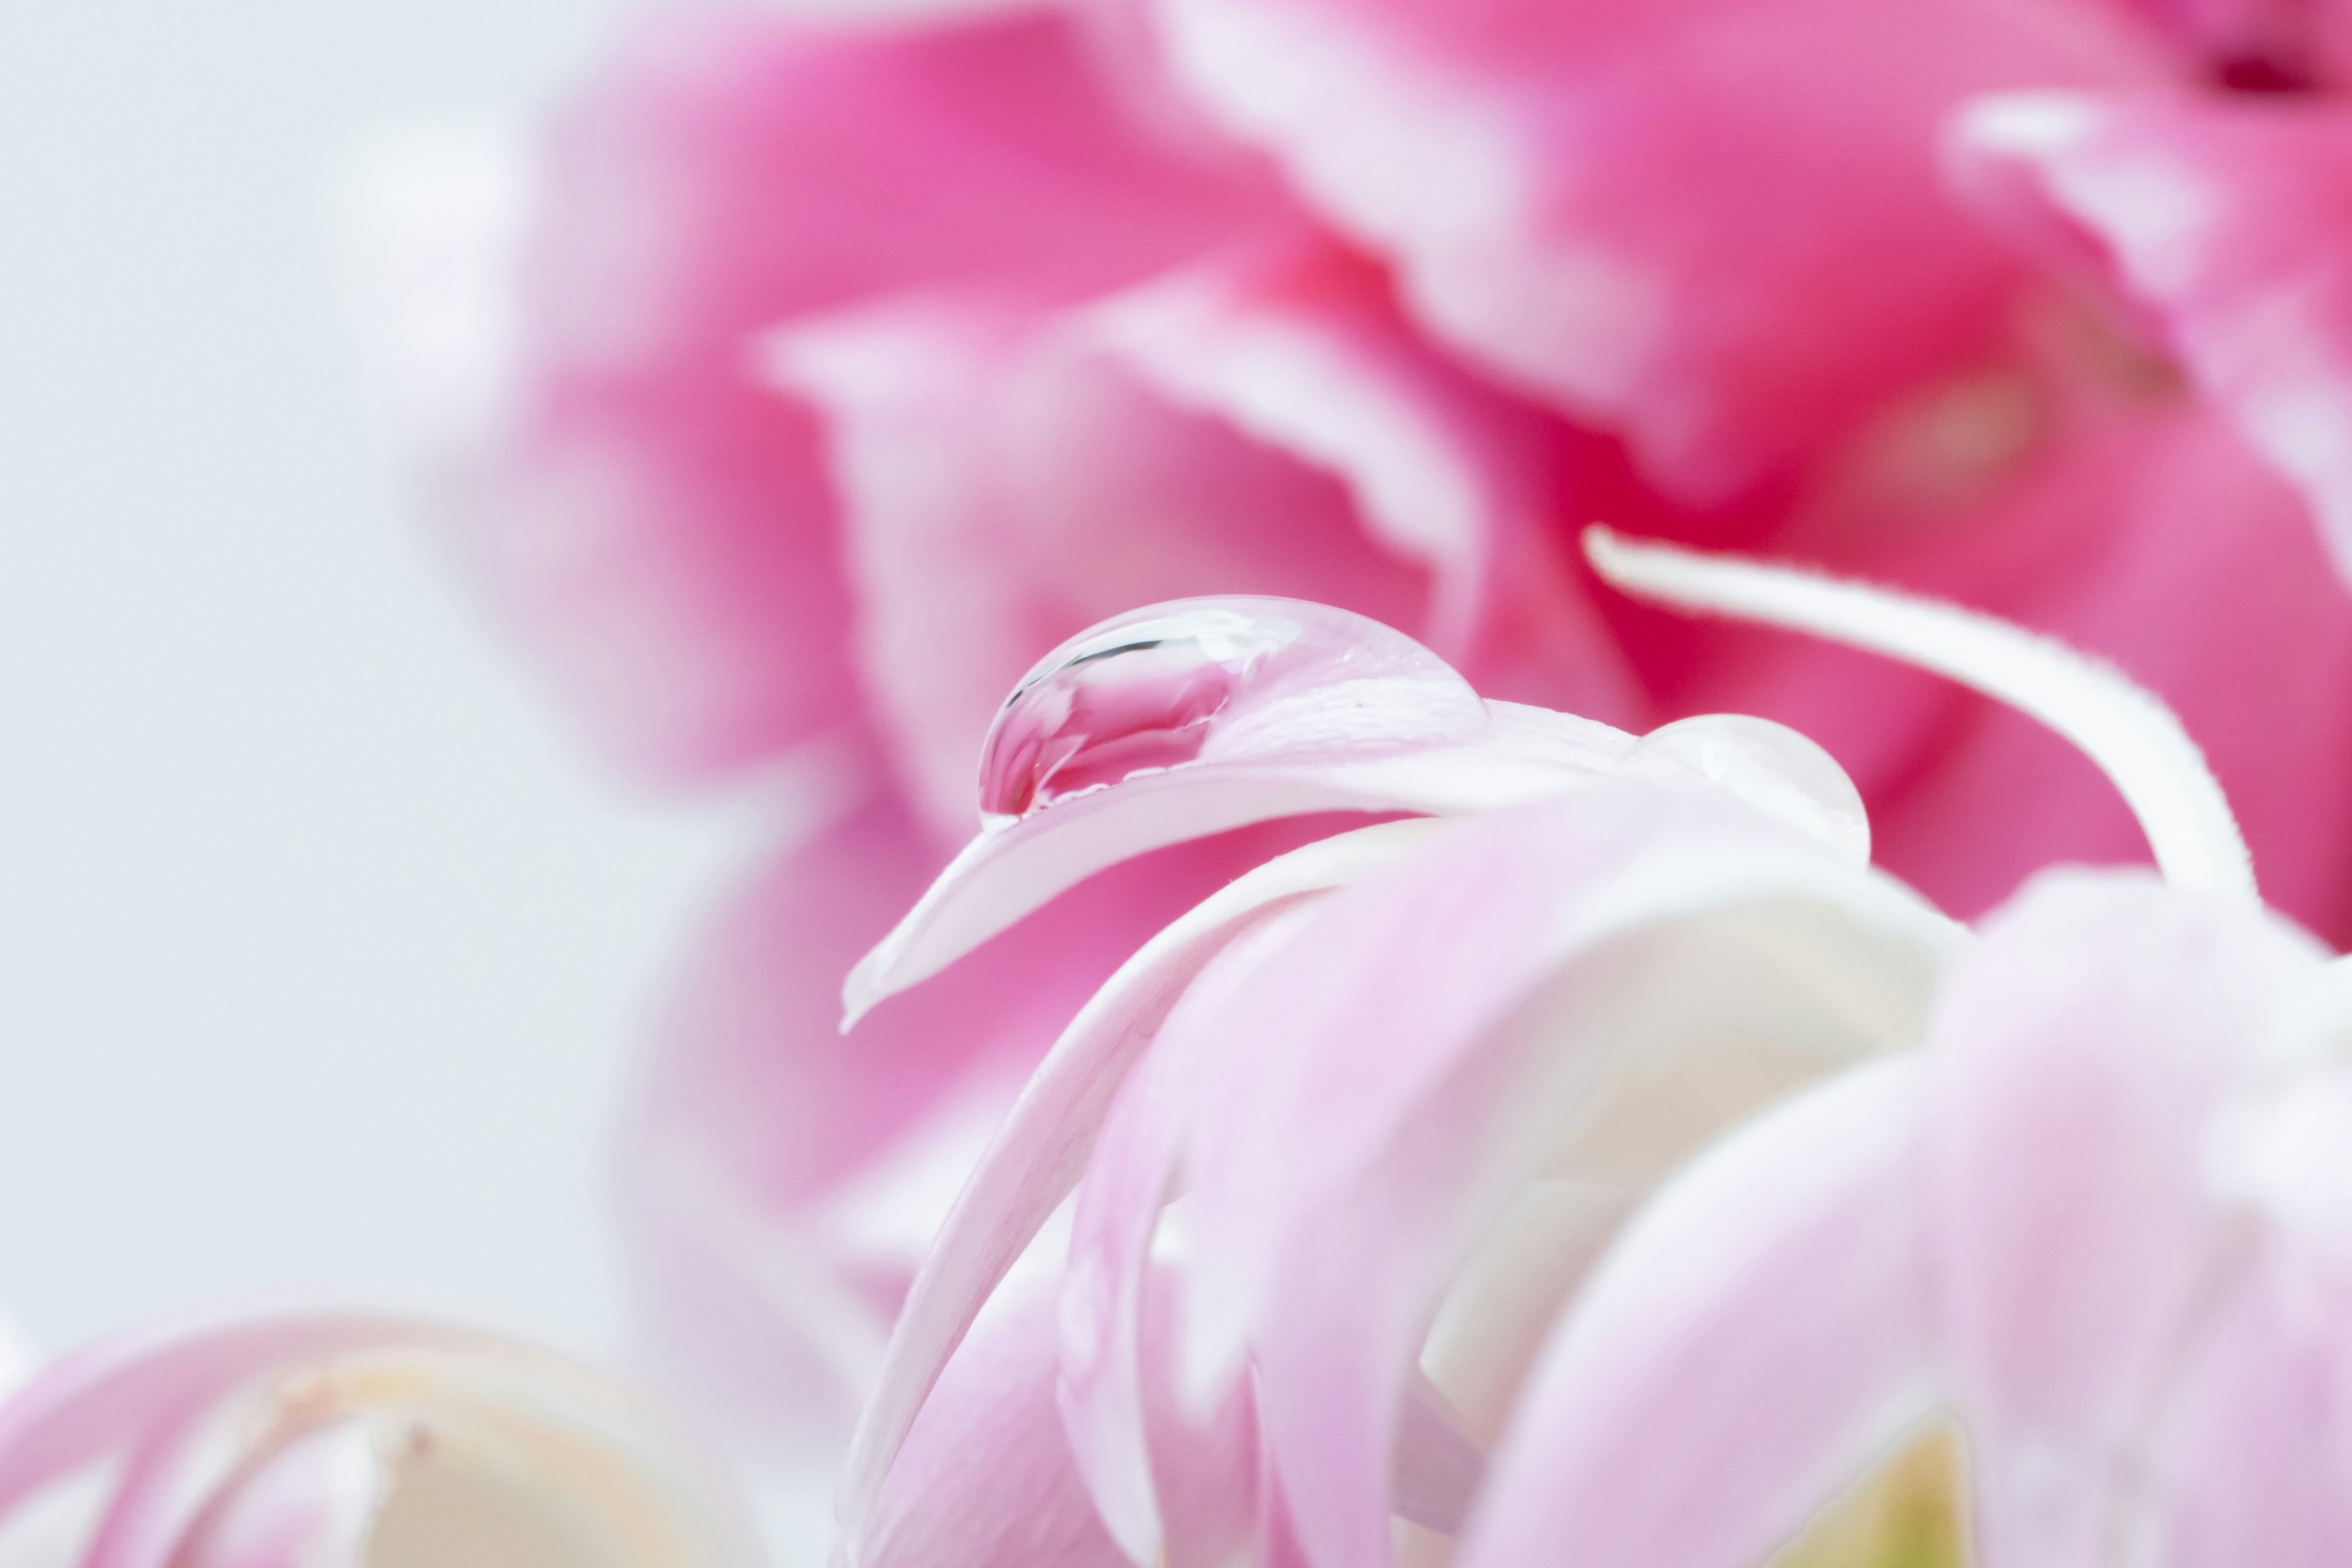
<point x="1149" y="691"/>
<point x="1769" y="765"/>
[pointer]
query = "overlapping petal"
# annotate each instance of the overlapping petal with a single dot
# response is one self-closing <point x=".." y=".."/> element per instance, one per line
<point x="1758" y="1335"/>
<point x="1034" y="1160"/>
<point x="1362" y="1135"/>
<point x="1716" y="228"/>
<point x="653" y="523"/>
<point x="318" y="1436"/>
<point x="986" y="1478"/>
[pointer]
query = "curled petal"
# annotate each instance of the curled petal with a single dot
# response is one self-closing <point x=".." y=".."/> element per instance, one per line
<point x="986" y="1481"/>
<point x="1355" y="1137"/>
<point x="2227" y="225"/>
<point x="1036" y="1156"/>
<point x="1757" y="1337"/>
<point x="2133" y="737"/>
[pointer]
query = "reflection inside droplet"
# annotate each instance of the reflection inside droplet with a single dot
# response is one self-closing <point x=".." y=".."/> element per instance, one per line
<point x="1136" y="695"/>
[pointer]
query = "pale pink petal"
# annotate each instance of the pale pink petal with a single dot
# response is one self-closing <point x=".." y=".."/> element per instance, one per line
<point x="1129" y="1176"/>
<point x="1756" y="1338"/>
<point x="2258" y="1468"/>
<point x="986" y="1479"/>
<point x="655" y="524"/>
<point x="1363" y="1135"/>
<point x="1716" y="227"/>
<point x="2080" y="1051"/>
<point x="1035" y="1158"/>
<point x="1182" y="720"/>
<point x="2228" y="223"/>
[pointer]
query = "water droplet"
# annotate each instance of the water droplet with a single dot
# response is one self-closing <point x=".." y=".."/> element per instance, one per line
<point x="1769" y="765"/>
<point x="1147" y="691"/>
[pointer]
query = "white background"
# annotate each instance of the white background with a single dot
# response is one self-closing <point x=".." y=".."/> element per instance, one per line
<point x="322" y="947"/>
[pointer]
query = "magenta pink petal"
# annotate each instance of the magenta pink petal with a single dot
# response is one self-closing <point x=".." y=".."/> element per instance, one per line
<point x="2139" y="536"/>
<point x="2080" y="1051"/>
<point x="1716" y="228"/>
<point x="2229" y="223"/>
<point x="1301" y="351"/>
<point x="655" y="524"/>
<point x="1756" y="1338"/>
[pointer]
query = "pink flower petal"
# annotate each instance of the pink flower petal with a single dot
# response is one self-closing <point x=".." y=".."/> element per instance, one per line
<point x="1757" y="1336"/>
<point x="2229" y="223"/>
<point x="2260" y="1436"/>
<point x="1261" y="423"/>
<point x="1036" y="1156"/>
<point x="1129" y="1177"/>
<point x="2080" y="1050"/>
<point x="986" y="1480"/>
<point x="1182" y="720"/>
<point x="653" y="523"/>
<point x="1716" y="227"/>
<point x="1361" y="1135"/>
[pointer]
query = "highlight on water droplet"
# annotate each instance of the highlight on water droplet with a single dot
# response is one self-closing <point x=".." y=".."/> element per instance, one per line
<point x="1150" y="691"/>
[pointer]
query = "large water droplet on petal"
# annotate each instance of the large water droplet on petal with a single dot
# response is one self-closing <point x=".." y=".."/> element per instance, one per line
<point x="1769" y="765"/>
<point x="1153" y="690"/>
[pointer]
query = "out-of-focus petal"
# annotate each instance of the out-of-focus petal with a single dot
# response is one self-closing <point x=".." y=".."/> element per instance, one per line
<point x="2082" y="1049"/>
<point x="212" y="1438"/>
<point x="2260" y="1438"/>
<point x="1716" y="228"/>
<point x="1363" y="1135"/>
<point x="653" y="523"/>
<point x="2259" y="47"/>
<point x="1302" y="349"/>
<point x="1755" y="1339"/>
<point x="1262" y="422"/>
<point x="1035" y="1159"/>
<point x="308" y="1505"/>
<point x="985" y="1480"/>
<point x="2231" y="225"/>
<point x="1182" y="720"/>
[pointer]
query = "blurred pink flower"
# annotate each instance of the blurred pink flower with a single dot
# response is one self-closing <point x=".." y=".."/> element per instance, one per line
<point x="861" y="360"/>
<point x="307" y="1439"/>
<point x="1622" y="1166"/>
